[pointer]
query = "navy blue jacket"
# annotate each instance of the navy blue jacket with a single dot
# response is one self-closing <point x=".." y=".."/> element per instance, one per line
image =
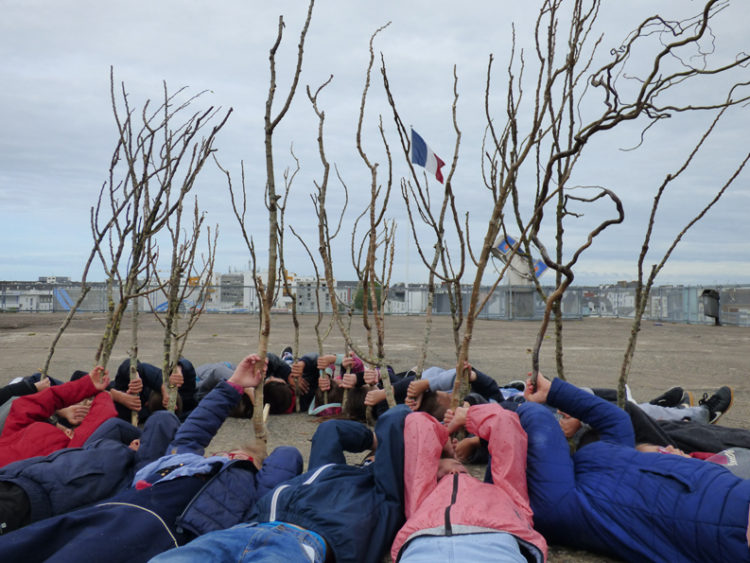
<point x="72" y="477"/>
<point x="357" y="510"/>
<point x="152" y="381"/>
<point x="208" y="496"/>
<point x="610" y="498"/>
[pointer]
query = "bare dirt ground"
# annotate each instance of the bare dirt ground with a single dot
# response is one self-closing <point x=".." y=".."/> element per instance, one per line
<point x="697" y="357"/>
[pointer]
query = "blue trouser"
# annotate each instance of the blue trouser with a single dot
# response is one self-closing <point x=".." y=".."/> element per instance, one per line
<point x="491" y="546"/>
<point x="259" y="543"/>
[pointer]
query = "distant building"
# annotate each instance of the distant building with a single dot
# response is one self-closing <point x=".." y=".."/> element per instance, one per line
<point x="54" y="279"/>
<point x="236" y="293"/>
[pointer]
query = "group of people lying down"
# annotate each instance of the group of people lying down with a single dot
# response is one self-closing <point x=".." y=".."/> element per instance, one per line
<point x="564" y="465"/>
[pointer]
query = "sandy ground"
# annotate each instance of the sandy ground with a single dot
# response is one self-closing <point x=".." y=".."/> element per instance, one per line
<point x="697" y="357"/>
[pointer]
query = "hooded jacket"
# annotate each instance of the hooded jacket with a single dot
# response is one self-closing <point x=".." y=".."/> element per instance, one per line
<point x="162" y="510"/>
<point x="27" y="433"/>
<point x="357" y="510"/>
<point x="72" y="477"/>
<point x="460" y="503"/>
<point x="612" y="499"/>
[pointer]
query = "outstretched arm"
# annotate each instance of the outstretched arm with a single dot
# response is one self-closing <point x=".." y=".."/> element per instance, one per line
<point x="507" y="444"/>
<point x="612" y="423"/>
<point x="550" y="474"/>
<point x="205" y="420"/>
<point x="40" y="406"/>
<point x="425" y="437"/>
<point x="334" y="437"/>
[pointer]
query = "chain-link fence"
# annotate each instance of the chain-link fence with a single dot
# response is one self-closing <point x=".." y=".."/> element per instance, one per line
<point x="726" y="305"/>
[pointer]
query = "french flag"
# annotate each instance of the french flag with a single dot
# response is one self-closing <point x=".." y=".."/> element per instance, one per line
<point x="422" y="155"/>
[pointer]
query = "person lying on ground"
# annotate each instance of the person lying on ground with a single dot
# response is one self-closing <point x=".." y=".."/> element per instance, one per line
<point x="333" y="512"/>
<point x="610" y="498"/>
<point x="209" y="375"/>
<point x="448" y="510"/>
<point x="22" y="386"/>
<point x="278" y="391"/>
<point x="685" y="433"/>
<point x="678" y="405"/>
<point x="172" y="499"/>
<point x="17" y="388"/>
<point x="736" y="460"/>
<point x="27" y="385"/>
<point x="29" y="430"/>
<point x="432" y="392"/>
<point x="310" y="369"/>
<point x="149" y="392"/>
<point x="40" y="487"/>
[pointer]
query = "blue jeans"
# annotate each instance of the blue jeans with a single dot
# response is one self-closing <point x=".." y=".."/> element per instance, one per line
<point x="259" y="543"/>
<point x="490" y="546"/>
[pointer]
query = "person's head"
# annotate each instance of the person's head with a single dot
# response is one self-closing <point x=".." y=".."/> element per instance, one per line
<point x="334" y="395"/>
<point x="449" y="466"/>
<point x="155" y="402"/>
<point x="277" y="394"/>
<point x="569" y="424"/>
<point x="355" y="404"/>
<point x="188" y="370"/>
<point x="435" y="403"/>
<point x="243" y="409"/>
<point x="645" y="447"/>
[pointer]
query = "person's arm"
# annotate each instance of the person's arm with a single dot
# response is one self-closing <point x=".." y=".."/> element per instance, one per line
<point x="612" y="423"/>
<point x="40" y="406"/>
<point x="102" y="408"/>
<point x="284" y="463"/>
<point x="205" y="420"/>
<point x="187" y="389"/>
<point x="507" y="445"/>
<point x="486" y="386"/>
<point x="131" y="398"/>
<point x="401" y="388"/>
<point x="23" y="387"/>
<point x="550" y="472"/>
<point x="426" y="438"/>
<point x="388" y="467"/>
<point x="334" y="437"/>
<point x="354" y="364"/>
<point x="151" y="376"/>
<point x="122" y="377"/>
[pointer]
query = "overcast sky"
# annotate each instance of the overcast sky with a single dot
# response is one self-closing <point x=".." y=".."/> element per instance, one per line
<point x="57" y="130"/>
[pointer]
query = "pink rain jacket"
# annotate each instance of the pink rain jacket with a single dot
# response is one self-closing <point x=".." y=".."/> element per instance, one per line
<point x="429" y="503"/>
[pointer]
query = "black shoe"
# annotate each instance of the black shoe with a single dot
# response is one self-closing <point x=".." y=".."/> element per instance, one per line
<point x="285" y="351"/>
<point x="718" y="403"/>
<point x="516" y="384"/>
<point x="670" y="398"/>
<point x="687" y="400"/>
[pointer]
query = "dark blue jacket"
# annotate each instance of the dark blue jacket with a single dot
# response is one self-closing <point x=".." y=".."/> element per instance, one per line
<point x="72" y="477"/>
<point x="233" y="487"/>
<point x="152" y="380"/>
<point x="167" y="513"/>
<point x="357" y="510"/>
<point x="612" y="499"/>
